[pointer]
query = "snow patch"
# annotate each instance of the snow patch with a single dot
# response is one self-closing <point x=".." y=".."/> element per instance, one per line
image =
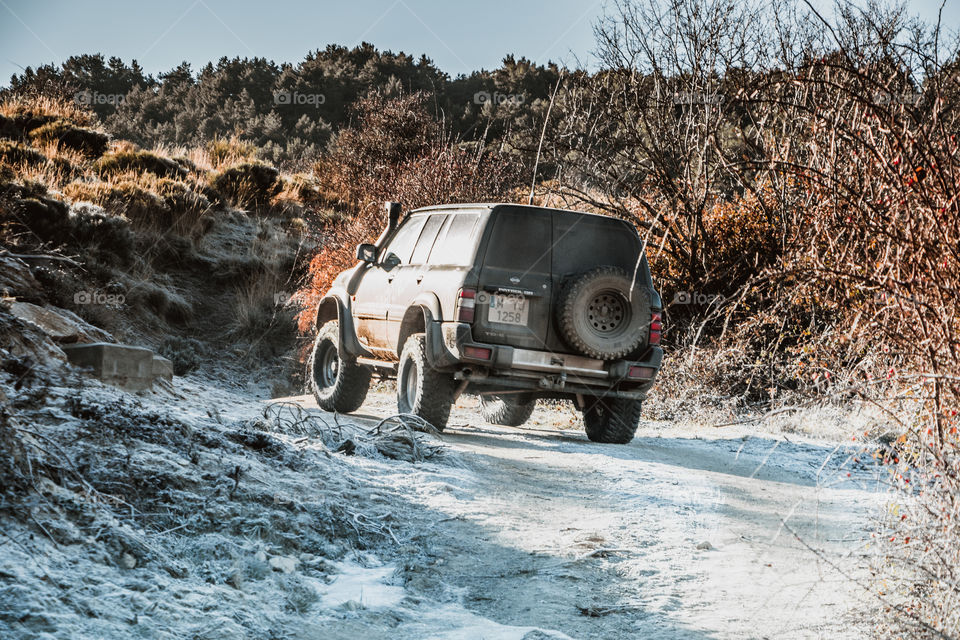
<point x="363" y="585"/>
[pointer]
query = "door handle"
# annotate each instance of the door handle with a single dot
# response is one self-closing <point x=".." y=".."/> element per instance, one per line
<point x="419" y="278"/>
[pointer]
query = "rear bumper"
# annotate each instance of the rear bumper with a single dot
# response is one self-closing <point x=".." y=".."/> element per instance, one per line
<point x="544" y="371"/>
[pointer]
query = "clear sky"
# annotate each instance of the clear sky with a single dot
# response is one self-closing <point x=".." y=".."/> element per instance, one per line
<point x="458" y="36"/>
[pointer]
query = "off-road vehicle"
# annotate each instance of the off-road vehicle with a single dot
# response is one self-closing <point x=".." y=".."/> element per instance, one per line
<point x="510" y="302"/>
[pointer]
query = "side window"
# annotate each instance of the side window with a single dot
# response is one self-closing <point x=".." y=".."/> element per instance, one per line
<point x="454" y="244"/>
<point x="427" y="237"/>
<point x="402" y="243"/>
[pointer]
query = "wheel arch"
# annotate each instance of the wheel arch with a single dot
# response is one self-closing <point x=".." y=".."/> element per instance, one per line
<point x="327" y="309"/>
<point x="333" y="307"/>
<point x="418" y="317"/>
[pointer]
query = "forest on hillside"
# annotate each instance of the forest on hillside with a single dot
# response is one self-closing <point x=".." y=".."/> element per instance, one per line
<point x="289" y="111"/>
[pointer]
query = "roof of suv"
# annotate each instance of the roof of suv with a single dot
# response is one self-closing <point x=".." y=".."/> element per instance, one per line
<point x="473" y="206"/>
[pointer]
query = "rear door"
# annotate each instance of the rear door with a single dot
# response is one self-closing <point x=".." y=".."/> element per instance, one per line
<point x="513" y="301"/>
<point x="582" y="242"/>
<point x="406" y="280"/>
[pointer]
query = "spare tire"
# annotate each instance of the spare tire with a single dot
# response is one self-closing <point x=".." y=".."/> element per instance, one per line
<point x="599" y="317"/>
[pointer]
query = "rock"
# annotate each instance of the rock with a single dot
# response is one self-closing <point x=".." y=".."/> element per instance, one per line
<point x="16" y="280"/>
<point x="127" y="561"/>
<point x="61" y="325"/>
<point x="285" y="564"/>
<point x="24" y="343"/>
<point x="705" y="546"/>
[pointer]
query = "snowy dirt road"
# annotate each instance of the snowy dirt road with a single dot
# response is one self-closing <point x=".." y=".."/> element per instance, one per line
<point x="537" y="532"/>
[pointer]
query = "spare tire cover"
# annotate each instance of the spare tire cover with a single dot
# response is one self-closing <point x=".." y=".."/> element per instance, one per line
<point x="598" y="315"/>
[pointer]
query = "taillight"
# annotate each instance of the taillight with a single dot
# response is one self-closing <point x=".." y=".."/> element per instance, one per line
<point x="641" y="373"/>
<point x="656" y="328"/>
<point x="466" y="302"/>
<point x="480" y="353"/>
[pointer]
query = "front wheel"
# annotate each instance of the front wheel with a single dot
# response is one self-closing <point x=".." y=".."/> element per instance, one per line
<point x="611" y="420"/>
<point x="422" y="390"/>
<point x="336" y="380"/>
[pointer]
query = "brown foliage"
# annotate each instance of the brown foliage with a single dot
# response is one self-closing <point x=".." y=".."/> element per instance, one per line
<point x="396" y="152"/>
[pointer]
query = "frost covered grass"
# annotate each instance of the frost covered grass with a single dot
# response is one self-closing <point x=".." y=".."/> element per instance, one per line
<point x="183" y="514"/>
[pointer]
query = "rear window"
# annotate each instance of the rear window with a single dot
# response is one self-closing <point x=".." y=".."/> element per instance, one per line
<point x="427" y="237"/>
<point x="582" y="242"/>
<point x="521" y="241"/>
<point x="453" y="246"/>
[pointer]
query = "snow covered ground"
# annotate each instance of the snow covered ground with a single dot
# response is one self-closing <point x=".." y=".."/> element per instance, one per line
<point x="511" y="533"/>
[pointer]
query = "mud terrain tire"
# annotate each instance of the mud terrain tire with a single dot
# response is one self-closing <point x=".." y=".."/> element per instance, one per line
<point x="612" y="420"/>
<point x="599" y="318"/>
<point x="336" y="380"/>
<point x="422" y="390"/>
<point x="509" y="409"/>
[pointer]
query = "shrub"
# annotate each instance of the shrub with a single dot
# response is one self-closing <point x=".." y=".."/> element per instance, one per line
<point x="94" y="228"/>
<point x="251" y="184"/>
<point x="85" y="228"/>
<point x="141" y="207"/>
<point x="298" y="197"/>
<point x="118" y="162"/>
<point x="186" y="204"/>
<point x="9" y="129"/>
<point x="16" y="154"/>
<point x="161" y="300"/>
<point x="186" y="354"/>
<point x="63" y="134"/>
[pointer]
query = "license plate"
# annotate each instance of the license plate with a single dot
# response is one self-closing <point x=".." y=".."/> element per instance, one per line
<point x="509" y="309"/>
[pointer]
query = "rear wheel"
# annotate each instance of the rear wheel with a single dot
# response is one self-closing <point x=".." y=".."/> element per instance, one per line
<point x="422" y="390"/>
<point x="336" y="380"/>
<point x="508" y="409"/>
<point x="611" y="420"/>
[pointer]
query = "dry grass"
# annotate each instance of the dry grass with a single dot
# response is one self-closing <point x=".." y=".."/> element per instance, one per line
<point x="46" y="109"/>
<point x="118" y="162"/>
<point x="247" y="185"/>
<point x="63" y="134"/>
<point x="148" y="201"/>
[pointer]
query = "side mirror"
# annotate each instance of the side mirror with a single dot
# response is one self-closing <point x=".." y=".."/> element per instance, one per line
<point x="366" y="252"/>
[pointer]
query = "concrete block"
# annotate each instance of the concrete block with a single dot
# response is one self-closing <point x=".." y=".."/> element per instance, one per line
<point x="128" y="367"/>
<point x="162" y="368"/>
